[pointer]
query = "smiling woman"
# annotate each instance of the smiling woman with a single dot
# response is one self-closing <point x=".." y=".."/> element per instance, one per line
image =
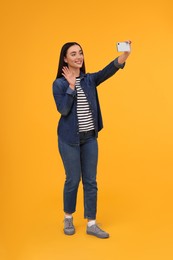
<point x="76" y="99"/>
<point x="74" y="57"/>
<point x="71" y="55"/>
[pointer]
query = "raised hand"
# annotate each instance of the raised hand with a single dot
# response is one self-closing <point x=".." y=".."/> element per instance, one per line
<point x="69" y="76"/>
<point x="123" y="57"/>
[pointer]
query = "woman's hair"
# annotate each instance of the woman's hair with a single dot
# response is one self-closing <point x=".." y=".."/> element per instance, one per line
<point x="63" y="54"/>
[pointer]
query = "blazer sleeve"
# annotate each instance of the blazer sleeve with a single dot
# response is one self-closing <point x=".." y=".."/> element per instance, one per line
<point x="63" y="96"/>
<point x="107" y="72"/>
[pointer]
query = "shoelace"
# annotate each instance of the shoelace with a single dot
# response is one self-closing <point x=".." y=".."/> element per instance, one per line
<point x="69" y="223"/>
<point x="97" y="228"/>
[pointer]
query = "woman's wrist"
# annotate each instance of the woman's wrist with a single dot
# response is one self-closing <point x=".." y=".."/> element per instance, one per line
<point x="123" y="57"/>
<point x="72" y="86"/>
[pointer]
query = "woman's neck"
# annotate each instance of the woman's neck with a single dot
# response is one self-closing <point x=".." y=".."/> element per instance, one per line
<point x="76" y="71"/>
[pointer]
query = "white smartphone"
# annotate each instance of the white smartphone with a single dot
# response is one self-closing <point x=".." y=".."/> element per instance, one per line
<point x="123" y="46"/>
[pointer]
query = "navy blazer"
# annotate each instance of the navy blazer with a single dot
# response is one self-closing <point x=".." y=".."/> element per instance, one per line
<point x="66" y="101"/>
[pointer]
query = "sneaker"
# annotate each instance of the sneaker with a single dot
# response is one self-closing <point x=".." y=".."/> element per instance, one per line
<point x="68" y="226"/>
<point x="97" y="231"/>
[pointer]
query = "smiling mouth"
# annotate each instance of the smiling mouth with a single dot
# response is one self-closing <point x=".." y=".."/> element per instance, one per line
<point x="78" y="62"/>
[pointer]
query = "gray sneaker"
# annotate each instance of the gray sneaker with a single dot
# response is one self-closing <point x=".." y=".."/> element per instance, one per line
<point x="96" y="231"/>
<point x="68" y="226"/>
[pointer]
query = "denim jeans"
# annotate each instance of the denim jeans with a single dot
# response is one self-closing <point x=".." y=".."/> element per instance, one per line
<point x="80" y="161"/>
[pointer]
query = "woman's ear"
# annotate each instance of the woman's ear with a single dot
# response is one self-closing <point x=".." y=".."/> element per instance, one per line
<point x="65" y="59"/>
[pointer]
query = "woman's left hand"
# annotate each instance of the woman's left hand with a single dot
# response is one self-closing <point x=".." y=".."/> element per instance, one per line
<point x="123" y="57"/>
<point x="130" y="46"/>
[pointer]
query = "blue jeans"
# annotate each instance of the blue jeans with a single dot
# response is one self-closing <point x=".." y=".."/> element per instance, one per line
<point x="80" y="161"/>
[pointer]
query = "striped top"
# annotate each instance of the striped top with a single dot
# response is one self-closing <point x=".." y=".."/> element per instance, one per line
<point x="84" y="114"/>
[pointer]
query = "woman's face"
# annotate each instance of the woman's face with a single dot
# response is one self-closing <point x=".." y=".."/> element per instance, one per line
<point x="74" y="57"/>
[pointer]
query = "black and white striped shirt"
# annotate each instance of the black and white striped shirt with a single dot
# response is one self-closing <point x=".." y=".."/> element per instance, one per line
<point x="84" y="114"/>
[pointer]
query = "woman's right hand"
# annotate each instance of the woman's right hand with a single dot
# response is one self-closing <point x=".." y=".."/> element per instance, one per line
<point x="69" y="76"/>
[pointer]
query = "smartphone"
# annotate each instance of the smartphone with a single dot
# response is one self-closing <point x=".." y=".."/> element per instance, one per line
<point x="123" y="46"/>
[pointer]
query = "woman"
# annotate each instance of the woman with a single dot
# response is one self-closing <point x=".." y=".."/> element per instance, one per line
<point x="77" y="101"/>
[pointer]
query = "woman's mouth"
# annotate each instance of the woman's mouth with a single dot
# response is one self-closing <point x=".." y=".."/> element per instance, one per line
<point x="78" y="62"/>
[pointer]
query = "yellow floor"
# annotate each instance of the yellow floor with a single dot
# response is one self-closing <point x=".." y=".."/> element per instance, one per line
<point x="138" y="231"/>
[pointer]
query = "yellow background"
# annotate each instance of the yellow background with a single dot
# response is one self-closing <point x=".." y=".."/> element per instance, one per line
<point x="136" y="146"/>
